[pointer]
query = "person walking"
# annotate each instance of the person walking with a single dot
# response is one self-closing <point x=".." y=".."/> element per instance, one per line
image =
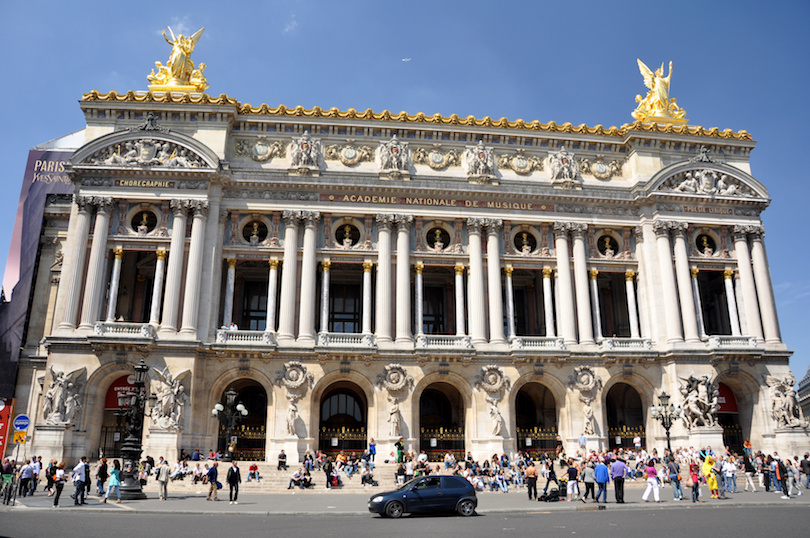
<point x="79" y="479"/>
<point x="233" y="478"/>
<point x="58" y="482"/>
<point x="327" y="470"/>
<point x="531" y="480"/>
<point x="781" y="477"/>
<point x="163" y="474"/>
<point x="618" y="470"/>
<point x="101" y="476"/>
<point x="115" y="482"/>
<point x="652" y="483"/>
<point x="26" y="476"/>
<point x="748" y="469"/>
<point x="602" y="476"/>
<point x="213" y="487"/>
<point x="372" y="450"/>
<point x="551" y="476"/>
<point x="674" y="470"/>
<point x="589" y="479"/>
<point x="805" y="466"/>
<point x="694" y="476"/>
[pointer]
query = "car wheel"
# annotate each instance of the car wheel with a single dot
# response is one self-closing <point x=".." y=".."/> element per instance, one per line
<point x="466" y="508"/>
<point x="394" y="509"/>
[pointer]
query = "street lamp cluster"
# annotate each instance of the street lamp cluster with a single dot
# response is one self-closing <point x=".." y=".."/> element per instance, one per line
<point x="666" y="413"/>
<point x="229" y="416"/>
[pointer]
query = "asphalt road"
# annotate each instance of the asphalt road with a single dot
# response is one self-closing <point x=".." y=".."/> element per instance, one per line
<point x="717" y="522"/>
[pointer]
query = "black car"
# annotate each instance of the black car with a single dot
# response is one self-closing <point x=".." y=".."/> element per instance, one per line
<point x="427" y="494"/>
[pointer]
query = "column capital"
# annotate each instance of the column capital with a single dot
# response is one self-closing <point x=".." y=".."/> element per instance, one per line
<point x="119" y="253"/>
<point x="548" y="272"/>
<point x="384" y="220"/>
<point x="662" y="227"/>
<point x="728" y="274"/>
<point x="179" y="205"/>
<point x="694" y="271"/>
<point x="757" y="232"/>
<point x="493" y="225"/>
<point x="367" y="266"/>
<point x="103" y="204"/>
<point x="161" y="254"/>
<point x="741" y="232"/>
<point x="561" y="229"/>
<point x="231" y="263"/>
<point x="199" y="207"/>
<point x="83" y="202"/>
<point x="223" y="214"/>
<point x="273" y="264"/>
<point x="579" y="230"/>
<point x="679" y="228"/>
<point x="594" y="273"/>
<point x="419" y="266"/>
<point x="629" y="275"/>
<point x="326" y="265"/>
<point x="403" y="222"/>
<point x="459" y="269"/>
<point x="509" y="270"/>
<point x="291" y="218"/>
<point x="310" y="218"/>
<point x="475" y="225"/>
<point x="638" y="233"/>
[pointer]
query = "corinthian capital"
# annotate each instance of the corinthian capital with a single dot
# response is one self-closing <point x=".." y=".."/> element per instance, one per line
<point x="403" y="221"/>
<point x="103" y="203"/>
<point x="310" y="218"/>
<point x="561" y="229"/>
<point x="291" y="218"/>
<point x="83" y="202"/>
<point x="662" y="227"/>
<point x="179" y="205"/>
<point x="493" y="225"/>
<point x="385" y="220"/>
<point x="474" y="225"/>
<point x="741" y="232"/>
<point x="199" y="207"/>
<point x="579" y="229"/>
<point x="679" y="228"/>
<point x="757" y="232"/>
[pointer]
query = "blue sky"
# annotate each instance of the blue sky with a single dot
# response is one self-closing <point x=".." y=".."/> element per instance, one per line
<point x="738" y="64"/>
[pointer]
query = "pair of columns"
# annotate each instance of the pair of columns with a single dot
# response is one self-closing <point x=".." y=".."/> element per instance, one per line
<point x="402" y="317"/>
<point x="632" y="308"/>
<point x="569" y="288"/>
<point x="494" y="306"/>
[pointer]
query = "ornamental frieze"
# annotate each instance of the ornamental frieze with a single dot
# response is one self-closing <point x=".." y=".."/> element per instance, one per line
<point x="520" y="163"/>
<point x="435" y="158"/>
<point x="708" y="182"/>
<point x="349" y="154"/>
<point x="600" y="168"/>
<point x="146" y="152"/>
<point x="260" y="150"/>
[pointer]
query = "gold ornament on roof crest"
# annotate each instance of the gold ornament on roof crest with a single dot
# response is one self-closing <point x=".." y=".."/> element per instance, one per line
<point x="657" y="106"/>
<point x="179" y="73"/>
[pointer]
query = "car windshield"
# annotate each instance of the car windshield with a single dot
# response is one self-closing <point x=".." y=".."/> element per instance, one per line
<point x="408" y="484"/>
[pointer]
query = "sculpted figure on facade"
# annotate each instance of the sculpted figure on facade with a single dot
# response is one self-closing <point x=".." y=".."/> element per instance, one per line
<point x="564" y="170"/>
<point x="295" y="378"/>
<point x="147" y="152"/>
<point x="785" y="409"/>
<point x="710" y="182"/>
<point x="657" y="104"/>
<point x="179" y="72"/>
<point x="171" y="399"/>
<point x="520" y="162"/>
<point x="496" y="417"/>
<point x="479" y="163"/>
<point x="435" y="158"/>
<point x="260" y="151"/>
<point x="292" y="415"/>
<point x="589" y="422"/>
<point x="393" y="156"/>
<point x="349" y="154"/>
<point x="394" y="418"/>
<point x="700" y="402"/>
<point x="305" y="152"/>
<point x="61" y="401"/>
<point x="398" y="383"/>
<point x="588" y="384"/>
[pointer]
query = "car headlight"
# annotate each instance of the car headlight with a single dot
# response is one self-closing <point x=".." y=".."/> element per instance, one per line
<point x="377" y="499"/>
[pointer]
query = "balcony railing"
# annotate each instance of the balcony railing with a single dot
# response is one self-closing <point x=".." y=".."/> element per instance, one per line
<point x="346" y="340"/>
<point x="626" y="344"/>
<point x="736" y="342"/>
<point x="537" y="343"/>
<point x="443" y="341"/>
<point x="246" y="338"/>
<point x="123" y="330"/>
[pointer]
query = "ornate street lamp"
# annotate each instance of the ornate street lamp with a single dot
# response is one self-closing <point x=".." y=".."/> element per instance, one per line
<point x="229" y="416"/>
<point x="132" y="404"/>
<point x="666" y="414"/>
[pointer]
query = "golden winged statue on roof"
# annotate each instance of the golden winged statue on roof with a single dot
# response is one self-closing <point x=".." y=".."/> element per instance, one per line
<point x="657" y="105"/>
<point x="179" y="73"/>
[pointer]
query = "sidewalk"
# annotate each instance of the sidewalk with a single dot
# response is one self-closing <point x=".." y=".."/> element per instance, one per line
<point x="324" y="503"/>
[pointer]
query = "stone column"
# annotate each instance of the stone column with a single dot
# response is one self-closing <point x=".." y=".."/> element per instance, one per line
<point x="309" y="268"/>
<point x="631" y="303"/>
<point x="749" y="292"/>
<point x="698" y="306"/>
<point x="731" y="301"/>
<point x="565" y="304"/>
<point x="230" y="285"/>
<point x="459" y="289"/>
<point x="191" y="298"/>
<point x="289" y="278"/>
<point x="738" y="294"/>
<point x="367" y="267"/>
<point x="94" y="282"/>
<point x="475" y="283"/>
<point x="597" y="315"/>
<point x="510" y="303"/>
<point x="211" y="274"/>
<point x="326" y="265"/>
<point x="494" y="280"/>
<point x="67" y="297"/>
<point x="272" y="284"/>
<point x="690" y="323"/>
<point x="584" y="319"/>
<point x="157" y="288"/>
<point x="383" y="306"/>
<point x="403" y="307"/>
<point x="420" y="316"/>
<point x="762" y="279"/>
<point x="115" y="278"/>
<point x="174" y="271"/>
<point x="668" y="291"/>
<point x="548" y="301"/>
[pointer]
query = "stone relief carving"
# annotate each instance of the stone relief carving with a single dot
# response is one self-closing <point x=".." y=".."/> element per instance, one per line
<point x="349" y="154"/>
<point x="305" y="153"/>
<point x="785" y="408"/>
<point x="496" y="417"/>
<point x="295" y="378"/>
<point x="435" y="158"/>
<point x="167" y="413"/>
<point x="479" y="163"/>
<point x="393" y="156"/>
<point x="520" y="163"/>
<point x="589" y="422"/>
<point x="398" y="383"/>
<point x="588" y="384"/>
<point x="600" y="168"/>
<point x="260" y="150"/>
<point x="598" y="210"/>
<point x="699" y="401"/>
<point x="492" y="380"/>
<point x="292" y="415"/>
<point x="61" y="400"/>
<point x="271" y="195"/>
<point x="394" y="418"/>
<point x="147" y="152"/>
<point x="709" y="182"/>
<point x="564" y="170"/>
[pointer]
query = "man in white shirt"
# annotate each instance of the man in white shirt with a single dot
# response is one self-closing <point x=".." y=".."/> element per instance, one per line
<point x="37" y="465"/>
<point x="79" y="480"/>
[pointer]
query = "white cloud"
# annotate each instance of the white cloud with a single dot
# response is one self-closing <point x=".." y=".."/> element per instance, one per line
<point x="791" y="292"/>
<point x="291" y="26"/>
<point x="179" y="25"/>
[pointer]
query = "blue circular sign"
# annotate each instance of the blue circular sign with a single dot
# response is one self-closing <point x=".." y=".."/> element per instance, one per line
<point x="21" y="422"/>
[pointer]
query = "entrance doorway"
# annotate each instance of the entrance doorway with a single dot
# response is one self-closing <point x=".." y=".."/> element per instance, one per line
<point x="343" y="423"/>
<point x="112" y="424"/>
<point x="728" y="416"/>
<point x="536" y="419"/>
<point x="252" y="430"/>
<point x="441" y="419"/>
<point x="625" y="416"/>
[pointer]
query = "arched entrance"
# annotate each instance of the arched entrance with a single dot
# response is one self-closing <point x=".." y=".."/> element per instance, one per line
<point x="344" y="416"/>
<point x="252" y="430"/>
<point x="112" y="424"/>
<point x="441" y="419"/>
<point x="625" y="416"/>
<point x="535" y="419"/>
<point x="728" y="416"/>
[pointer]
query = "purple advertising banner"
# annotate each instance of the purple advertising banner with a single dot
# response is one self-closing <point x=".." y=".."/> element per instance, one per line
<point x="44" y="175"/>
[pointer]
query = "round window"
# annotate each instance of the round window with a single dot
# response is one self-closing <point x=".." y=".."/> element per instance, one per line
<point x="607" y="245"/>
<point x="255" y="232"/>
<point x="705" y="244"/>
<point x="144" y="222"/>
<point x="438" y="238"/>
<point x="347" y="235"/>
<point x="525" y="242"/>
